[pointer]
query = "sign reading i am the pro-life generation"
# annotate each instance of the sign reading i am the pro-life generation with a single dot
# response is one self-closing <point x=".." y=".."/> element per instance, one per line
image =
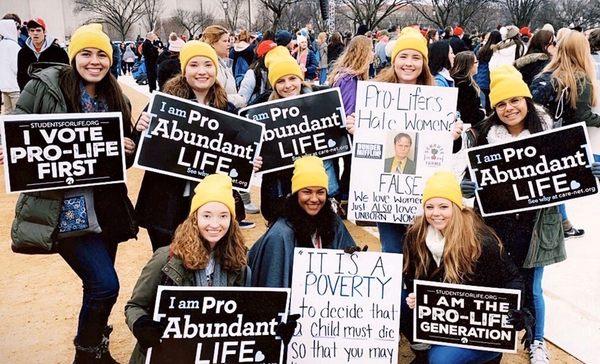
<point x="309" y="124"/>
<point x="213" y="325"/>
<point x="349" y="306"/>
<point x="471" y="317"/>
<point x="56" y="151"/>
<point x="544" y="169"/>
<point x="189" y="140"/>
<point x="403" y="135"/>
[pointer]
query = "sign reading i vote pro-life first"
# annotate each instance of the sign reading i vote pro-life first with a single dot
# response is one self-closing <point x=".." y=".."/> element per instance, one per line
<point x="465" y="316"/>
<point x="541" y="170"/>
<point x="214" y="325"/>
<point x="56" y="151"/>
<point x="310" y="124"/>
<point x="403" y="135"/>
<point x="191" y="141"/>
<point x="349" y="306"/>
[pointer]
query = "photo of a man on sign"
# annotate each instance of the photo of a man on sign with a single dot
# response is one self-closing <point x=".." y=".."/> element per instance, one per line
<point x="400" y="162"/>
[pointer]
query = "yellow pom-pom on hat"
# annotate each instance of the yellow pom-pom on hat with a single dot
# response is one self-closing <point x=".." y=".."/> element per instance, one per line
<point x="506" y="82"/>
<point x="276" y="53"/>
<point x="410" y="38"/>
<point x="445" y="185"/>
<point x="309" y="172"/>
<point x="89" y="36"/>
<point x="284" y="66"/>
<point x="196" y="48"/>
<point x="214" y="188"/>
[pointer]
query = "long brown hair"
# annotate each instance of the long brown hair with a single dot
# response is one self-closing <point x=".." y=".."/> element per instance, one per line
<point x="355" y="59"/>
<point x="189" y="246"/>
<point x="213" y="33"/>
<point x="107" y="89"/>
<point x="304" y="88"/>
<point x="463" y="239"/>
<point x="178" y="86"/>
<point x="461" y="70"/>
<point x="389" y="75"/>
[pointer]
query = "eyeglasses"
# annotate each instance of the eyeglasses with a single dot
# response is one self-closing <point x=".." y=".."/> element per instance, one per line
<point x="514" y="102"/>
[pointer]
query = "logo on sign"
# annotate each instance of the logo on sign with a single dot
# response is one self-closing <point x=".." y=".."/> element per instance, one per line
<point x="434" y="155"/>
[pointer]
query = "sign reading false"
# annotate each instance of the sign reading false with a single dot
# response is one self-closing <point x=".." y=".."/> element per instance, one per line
<point x="208" y="325"/>
<point x="311" y="124"/>
<point x="349" y="306"/>
<point x="191" y="141"/>
<point x="55" y="151"/>
<point x="541" y="170"/>
<point x="403" y="135"/>
<point x="465" y="316"/>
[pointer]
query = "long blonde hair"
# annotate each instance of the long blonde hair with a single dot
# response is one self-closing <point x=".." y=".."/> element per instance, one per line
<point x="572" y="67"/>
<point x="189" y="246"/>
<point x="355" y="60"/>
<point x="463" y="245"/>
<point x="389" y="75"/>
<point x="178" y="86"/>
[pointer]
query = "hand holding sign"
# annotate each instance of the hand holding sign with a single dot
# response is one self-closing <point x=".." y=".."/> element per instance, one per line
<point x="350" y="123"/>
<point x="148" y="331"/>
<point x="129" y="146"/>
<point x="143" y="122"/>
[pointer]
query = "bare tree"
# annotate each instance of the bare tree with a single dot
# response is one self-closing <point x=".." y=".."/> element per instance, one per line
<point x="152" y="10"/>
<point x="120" y="14"/>
<point x="563" y="13"/>
<point x="489" y="17"/>
<point x="277" y="8"/>
<point x="436" y="11"/>
<point x="302" y="13"/>
<point x="232" y="8"/>
<point x="371" y="12"/>
<point x="466" y="10"/>
<point x="192" y="21"/>
<point x="522" y="11"/>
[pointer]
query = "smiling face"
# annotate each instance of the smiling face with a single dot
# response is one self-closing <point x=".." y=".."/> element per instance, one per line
<point x="438" y="212"/>
<point x="512" y="113"/>
<point x="289" y="85"/>
<point x="213" y="219"/>
<point x="222" y="46"/>
<point x="92" y="65"/>
<point x="200" y="73"/>
<point x="408" y="65"/>
<point x="312" y="199"/>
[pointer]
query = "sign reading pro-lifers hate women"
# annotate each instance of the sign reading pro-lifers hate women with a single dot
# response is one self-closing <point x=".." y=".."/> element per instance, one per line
<point x="55" y="151"/>
<point x="191" y="141"/>
<point x="541" y="170"/>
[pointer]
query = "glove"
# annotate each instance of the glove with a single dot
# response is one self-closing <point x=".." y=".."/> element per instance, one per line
<point x="354" y="249"/>
<point x="285" y="330"/>
<point x="148" y="332"/>
<point x="523" y="320"/>
<point x="596" y="169"/>
<point x="468" y="188"/>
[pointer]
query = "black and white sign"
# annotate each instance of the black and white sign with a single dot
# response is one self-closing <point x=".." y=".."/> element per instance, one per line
<point x="311" y="124"/>
<point x="211" y="325"/>
<point x="349" y="307"/>
<point x="191" y="141"/>
<point x="541" y="170"/>
<point x="403" y="135"/>
<point x="55" y="151"/>
<point x="465" y="316"/>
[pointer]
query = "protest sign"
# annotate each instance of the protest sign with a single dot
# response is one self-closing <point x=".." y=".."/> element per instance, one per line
<point x="403" y="135"/>
<point x="210" y="325"/>
<point x="189" y="140"/>
<point x="541" y="170"/>
<point x="56" y="151"/>
<point x="465" y="316"/>
<point x="349" y="306"/>
<point x="310" y="124"/>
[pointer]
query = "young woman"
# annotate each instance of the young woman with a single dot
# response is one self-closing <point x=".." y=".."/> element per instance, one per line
<point x="306" y="59"/>
<point x="242" y="55"/>
<point x="432" y="36"/>
<point x="482" y="77"/>
<point x="409" y="66"/>
<point x="451" y="244"/>
<point x="43" y="218"/>
<point x="508" y="50"/>
<point x="129" y="58"/>
<point x="207" y="250"/>
<point x="441" y="59"/>
<point x="542" y="47"/>
<point x="469" y="101"/>
<point x="323" y="62"/>
<point x="164" y="201"/>
<point x="308" y="221"/>
<point x="255" y="81"/>
<point x="335" y="47"/>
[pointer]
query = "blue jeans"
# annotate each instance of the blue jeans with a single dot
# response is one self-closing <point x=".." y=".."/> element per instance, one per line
<point x="391" y="236"/>
<point x="334" y="185"/>
<point x="563" y="211"/>
<point x="322" y="76"/>
<point x="596" y="157"/>
<point x="93" y="260"/>
<point x="538" y="303"/>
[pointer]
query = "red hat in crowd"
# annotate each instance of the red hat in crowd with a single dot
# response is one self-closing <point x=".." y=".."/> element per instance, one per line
<point x="264" y="47"/>
<point x="36" y="22"/>
<point x="525" y="31"/>
<point x="458" y="31"/>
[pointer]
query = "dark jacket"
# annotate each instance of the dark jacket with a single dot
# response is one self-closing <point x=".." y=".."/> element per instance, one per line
<point x="150" y="52"/>
<point x="52" y="53"/>
<point x="37" y="213"/>
<point x="334" y="51"/>
<point x="168" y="66"/>
<point x="530" y="65"/>
<point x="247" y="54"/>
<point x="469" y="103"/>
<point x="457" y="44"/>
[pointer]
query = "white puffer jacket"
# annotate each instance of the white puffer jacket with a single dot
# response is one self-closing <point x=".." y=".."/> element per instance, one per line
<point x="9" y="50"/>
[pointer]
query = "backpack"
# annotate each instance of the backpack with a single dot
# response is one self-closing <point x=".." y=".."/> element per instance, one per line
<point x="241" y="66"/>
<point x="549" y="104"/>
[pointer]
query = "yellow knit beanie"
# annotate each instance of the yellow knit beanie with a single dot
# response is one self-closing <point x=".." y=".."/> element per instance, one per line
<point x="445" y="185"/>
<point x="410" y="38"/>
<point x="506" y="82"/>
<point x="282" y="67"/>
<point x="214" y="188"/>
<point x="309" y="172"/>
<point x="89" y="36"/>
<point x="276" y="53"/>
<point x="196" y="48"/>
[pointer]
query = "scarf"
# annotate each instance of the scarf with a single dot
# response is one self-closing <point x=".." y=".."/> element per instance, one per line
<point x="435" y="243"/>
<point x="499" y="134"/>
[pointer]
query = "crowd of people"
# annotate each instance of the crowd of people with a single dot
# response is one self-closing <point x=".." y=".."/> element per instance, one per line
<point x="511" y="83"/>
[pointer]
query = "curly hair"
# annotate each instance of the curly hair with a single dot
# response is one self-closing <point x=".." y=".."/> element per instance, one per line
<point x="189" y="245"/>
<point x="305" y="226"/>
<point x="355" y="59"/>
<point x="178" y="86"/>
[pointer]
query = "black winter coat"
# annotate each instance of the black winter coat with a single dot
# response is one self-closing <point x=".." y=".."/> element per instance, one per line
<point x="334" y="51"/>
<point x="26" y="57"/>
<point x="530" y="65"/>
<point x="150" y="52"/>
<point x="168" y="66"/>
<point x="469" y="103"/>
